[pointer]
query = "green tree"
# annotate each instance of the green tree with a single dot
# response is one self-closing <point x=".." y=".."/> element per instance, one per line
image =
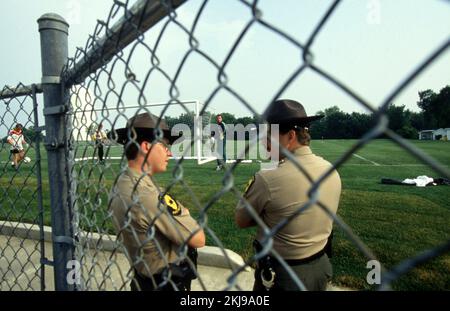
<point x="317" y="128"/>
<point x="338" y="123"/>
<point x="244" y="121"/>
<point x="187" y="118"/>
<point x="426" y="102"/>
<point x="442" y="107"/>
<point x="397" y="117"/>
<point x="31" y="135"/>
<point x="407" y="131"/>
<point x="435" y="107"/>
<point x="418" y="121"/>
<point x="362" y="123"/>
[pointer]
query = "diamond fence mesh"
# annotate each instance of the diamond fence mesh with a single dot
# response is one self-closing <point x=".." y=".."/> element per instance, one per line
<point x="22" y="252"/>
<point x="113" y="78"/>
<point x="109" y="75"/>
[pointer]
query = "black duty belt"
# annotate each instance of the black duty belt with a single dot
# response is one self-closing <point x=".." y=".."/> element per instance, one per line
<point x="296" y="262"/>
<point x="326" y="250"/>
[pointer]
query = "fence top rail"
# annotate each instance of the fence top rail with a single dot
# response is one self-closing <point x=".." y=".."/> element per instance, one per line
<point x="158" y="104"/>
<point x="19" y="90"/>
<point x="143" y="15"/>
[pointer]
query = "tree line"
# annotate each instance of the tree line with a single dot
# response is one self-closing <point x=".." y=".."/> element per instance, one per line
<point x="337" y="124"/>
<point x="434" y="114"/>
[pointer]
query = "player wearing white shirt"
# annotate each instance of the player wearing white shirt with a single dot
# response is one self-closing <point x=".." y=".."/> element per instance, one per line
<point x="16" y="140"/>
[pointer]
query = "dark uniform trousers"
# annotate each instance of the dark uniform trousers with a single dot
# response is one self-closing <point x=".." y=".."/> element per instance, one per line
<point x="99" y="145"/>
<point x="141" y="283"/>
<point x="315" y="275"/>
<point x="181" y="276"/>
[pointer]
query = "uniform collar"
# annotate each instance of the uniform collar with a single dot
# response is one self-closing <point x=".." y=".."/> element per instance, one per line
<point x="138" y="177"/>
<point x="301" y="151"/>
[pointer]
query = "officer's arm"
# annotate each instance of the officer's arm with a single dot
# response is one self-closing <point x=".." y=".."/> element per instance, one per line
<point x="243" y="218"/>
<point x="197" y="240"/>
<point x="183" y="225"/>
<point x="256" y="195"/>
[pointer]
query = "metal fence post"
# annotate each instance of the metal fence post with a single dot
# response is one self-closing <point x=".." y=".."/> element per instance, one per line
<point x="54" y="52"/>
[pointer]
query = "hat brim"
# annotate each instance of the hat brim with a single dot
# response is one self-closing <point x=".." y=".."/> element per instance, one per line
<point x="297" y="121"/>
<point x="123" y="135"/>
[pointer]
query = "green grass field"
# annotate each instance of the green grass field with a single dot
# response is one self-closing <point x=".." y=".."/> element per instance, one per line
<point x="396" y="222"/>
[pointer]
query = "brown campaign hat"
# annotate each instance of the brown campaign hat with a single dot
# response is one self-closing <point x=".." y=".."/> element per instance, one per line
<point x="143" y="125"/>
<point x="288" y="112"/>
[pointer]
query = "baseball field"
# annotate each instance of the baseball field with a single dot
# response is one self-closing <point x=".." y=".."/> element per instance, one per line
<point x="396" y="222"/>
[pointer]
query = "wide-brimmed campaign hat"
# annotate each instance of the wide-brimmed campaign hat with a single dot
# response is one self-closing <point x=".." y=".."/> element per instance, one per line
<point x="288" y="112"/>
<point x="143" y="126"/>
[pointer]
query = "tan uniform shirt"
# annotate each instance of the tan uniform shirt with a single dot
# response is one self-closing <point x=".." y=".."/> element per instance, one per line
<point x="278" y="193"/>
<point x="151" y="232"/>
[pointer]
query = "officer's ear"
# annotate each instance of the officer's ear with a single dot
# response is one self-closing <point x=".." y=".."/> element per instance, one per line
<point x="292" y="135"/>
<point x="145" y="146"/>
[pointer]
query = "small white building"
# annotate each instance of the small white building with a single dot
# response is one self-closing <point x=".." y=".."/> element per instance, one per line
<point x="442" y="133"/>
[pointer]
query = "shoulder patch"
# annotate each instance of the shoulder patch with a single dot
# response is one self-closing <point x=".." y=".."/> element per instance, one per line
<point x="249" y="184"/>
<point x="172" y="205"/>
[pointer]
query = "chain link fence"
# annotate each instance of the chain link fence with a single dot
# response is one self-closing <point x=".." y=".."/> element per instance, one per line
<point x="106" y="83"/>
<point x="22" y="252"/>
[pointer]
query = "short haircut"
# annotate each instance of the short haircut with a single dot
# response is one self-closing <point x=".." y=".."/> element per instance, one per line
<point x="132" y="148"/>
<point x="302" y="133"/>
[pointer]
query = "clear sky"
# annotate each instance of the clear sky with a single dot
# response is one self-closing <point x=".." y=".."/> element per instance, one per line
<point x="369" y="45"/>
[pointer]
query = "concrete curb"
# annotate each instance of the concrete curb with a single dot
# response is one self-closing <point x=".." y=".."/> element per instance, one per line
<point x="207" y="256"/>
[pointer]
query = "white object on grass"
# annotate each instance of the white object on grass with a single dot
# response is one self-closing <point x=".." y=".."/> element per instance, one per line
<point x="26" y="160"/>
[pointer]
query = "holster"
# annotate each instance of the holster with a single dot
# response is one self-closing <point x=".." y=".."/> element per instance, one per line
<point x="184" y="270"/>
<point x="266" y="265"/>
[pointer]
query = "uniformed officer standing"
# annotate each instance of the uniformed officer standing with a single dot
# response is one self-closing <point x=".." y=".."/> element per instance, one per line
<point x="152" y="225"/>
<point x="276" y="194"/>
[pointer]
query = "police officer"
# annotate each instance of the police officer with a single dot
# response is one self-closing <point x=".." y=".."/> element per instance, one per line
<point x="154" y="227"/>
<point x="278" y="193"/>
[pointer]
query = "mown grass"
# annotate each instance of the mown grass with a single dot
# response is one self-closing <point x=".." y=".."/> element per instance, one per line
<point x="395" y="222"/>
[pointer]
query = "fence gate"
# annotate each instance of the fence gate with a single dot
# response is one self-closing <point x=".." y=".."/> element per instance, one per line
<point x="22" y="246"/>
